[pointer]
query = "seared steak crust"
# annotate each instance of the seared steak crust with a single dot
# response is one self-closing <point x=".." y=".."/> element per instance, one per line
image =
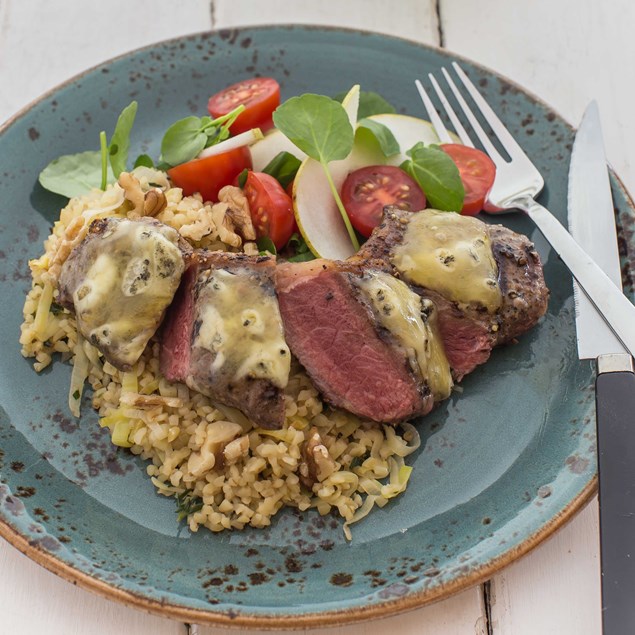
<point x="470" y="332"/>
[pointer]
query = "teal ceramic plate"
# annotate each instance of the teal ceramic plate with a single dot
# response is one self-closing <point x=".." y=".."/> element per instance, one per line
<point x="502" y="465"/>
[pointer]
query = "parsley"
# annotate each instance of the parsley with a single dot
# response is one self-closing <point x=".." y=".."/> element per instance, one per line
<point x="187" y="504"/>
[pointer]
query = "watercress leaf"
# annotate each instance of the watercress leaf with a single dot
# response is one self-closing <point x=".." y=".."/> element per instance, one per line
<point x="120" y="140"/>
<point x="382" y="134"/>
<point x="316" y="124"/>
<point x="437" y="175"/>
<point x="283" y="167"/>
<point x="183" y="141"/>
<point x="144" y="160"/>
<point x="265" y="245"/>
<point x="74" y="174"/>
<point x="370" y="103"/>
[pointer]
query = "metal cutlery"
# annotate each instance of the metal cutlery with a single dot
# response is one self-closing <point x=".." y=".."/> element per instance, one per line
<point x="517" y="184"/>
<point x="592" y="224"/>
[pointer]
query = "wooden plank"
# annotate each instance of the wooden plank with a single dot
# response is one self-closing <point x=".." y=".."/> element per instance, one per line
<point x="567" y="52"/>
<point x="36" y="601"/>
<point x="45" y="43"/>
<point x="462" y="614"/>
<point x="557" y="588"/>
<point x="414" y="19"/>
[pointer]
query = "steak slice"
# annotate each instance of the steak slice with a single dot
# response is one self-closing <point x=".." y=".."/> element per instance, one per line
<point x="223" y="335"/>
<point x="119" y="280"/>
<point x="503" y="300"/>
<point x="332" y="328"/>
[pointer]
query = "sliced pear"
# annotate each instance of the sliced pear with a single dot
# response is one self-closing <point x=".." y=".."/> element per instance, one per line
<point x="273" y="144"/>
<point x="319" y="220"/>
<point x="407" y="131"/>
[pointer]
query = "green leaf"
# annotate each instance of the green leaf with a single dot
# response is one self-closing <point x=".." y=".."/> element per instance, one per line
<point x="370" y="103"/>
<point x="144" y="160"/>
<point x="242" y="178"/>
<point x="103" y="143"/>
<point x="437" y="175"/>
<point x="301" y="249"/>
<point x="183" y="141"/>
<point x="283" y="167"/>
<point x="265" y="245"/>
<point x="316" y="124"/>
<point x="74" y="174"/>
<point x="383" y="136"/>
<point x="120" y="140"/>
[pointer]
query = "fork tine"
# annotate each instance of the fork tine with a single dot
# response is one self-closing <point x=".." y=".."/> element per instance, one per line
<point x="478" y="129"/>
<point x="507" y="141"/>
<point x="458" y="127"/>
<point x="439" y="128"/>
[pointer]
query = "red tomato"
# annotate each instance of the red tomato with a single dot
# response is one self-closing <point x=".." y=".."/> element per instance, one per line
<point x="260" y="96"/>
<point x="477" y="173"/>
<point x="366" y="191"/>
<point x="210" y="174"/>
<point x="271" y="208"/>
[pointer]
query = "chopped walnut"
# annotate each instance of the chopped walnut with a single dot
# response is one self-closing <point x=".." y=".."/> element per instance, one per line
<point x="317" y="464"/>
<point x="149" y="203"/>
<point x="238" y="211"/>
<point x="224" y="225"/>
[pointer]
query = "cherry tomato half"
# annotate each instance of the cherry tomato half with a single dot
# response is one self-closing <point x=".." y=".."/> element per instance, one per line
<point x="271" y="208"/>
<point x="260" y="96"/>
<point x="366" y="191"/>
<point x="210" y="174"/>
<point x="477" y="173"/>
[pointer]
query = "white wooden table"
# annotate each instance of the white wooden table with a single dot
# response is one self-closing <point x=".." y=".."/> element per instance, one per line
<point x="565" y="51"/>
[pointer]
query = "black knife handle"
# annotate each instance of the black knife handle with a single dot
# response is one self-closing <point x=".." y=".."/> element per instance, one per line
<point x="615" y="415"/>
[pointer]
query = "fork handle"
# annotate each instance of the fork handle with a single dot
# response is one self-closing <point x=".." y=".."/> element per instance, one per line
<point x="616" y="309"/>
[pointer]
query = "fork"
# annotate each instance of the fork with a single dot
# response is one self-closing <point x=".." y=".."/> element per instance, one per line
<point x="516" y="186"/>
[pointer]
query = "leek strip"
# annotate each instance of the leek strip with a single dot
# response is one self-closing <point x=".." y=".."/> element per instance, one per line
<point x="79" y="374"/>
<point x="362" y="512"/>
<point x="42" y="313"/>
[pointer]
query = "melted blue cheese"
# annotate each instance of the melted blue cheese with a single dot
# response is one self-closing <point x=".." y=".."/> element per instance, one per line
<point x="239" y="322"/>
<point x="133" y="270"/>
<point x="452" y="255"/>
<point x="412" y="322"/>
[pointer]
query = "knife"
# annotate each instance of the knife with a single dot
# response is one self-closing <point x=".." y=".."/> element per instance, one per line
<point x="592" y="224"/>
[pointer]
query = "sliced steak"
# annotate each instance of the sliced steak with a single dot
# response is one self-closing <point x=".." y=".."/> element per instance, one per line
<point x="119" y="280"/>
<point x="331" y="325"/>
<point x="486" y="280"/>
<point x="223" y="335"/>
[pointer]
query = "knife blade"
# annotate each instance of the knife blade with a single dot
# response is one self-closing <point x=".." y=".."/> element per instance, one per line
<point x="592" y="224"/>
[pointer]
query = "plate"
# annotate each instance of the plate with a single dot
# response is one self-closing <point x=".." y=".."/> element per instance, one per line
<point x="502" y="465"/>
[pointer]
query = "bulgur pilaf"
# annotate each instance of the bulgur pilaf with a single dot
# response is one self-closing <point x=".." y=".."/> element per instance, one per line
<point x="224" y="472"/>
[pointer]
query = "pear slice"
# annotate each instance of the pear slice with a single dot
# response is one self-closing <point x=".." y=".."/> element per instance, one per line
<point x="274" y="143"/>
<point x="319" y="220"/>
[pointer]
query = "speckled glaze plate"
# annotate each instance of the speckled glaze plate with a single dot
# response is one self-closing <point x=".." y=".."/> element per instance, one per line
<point x="502" y="465"/>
